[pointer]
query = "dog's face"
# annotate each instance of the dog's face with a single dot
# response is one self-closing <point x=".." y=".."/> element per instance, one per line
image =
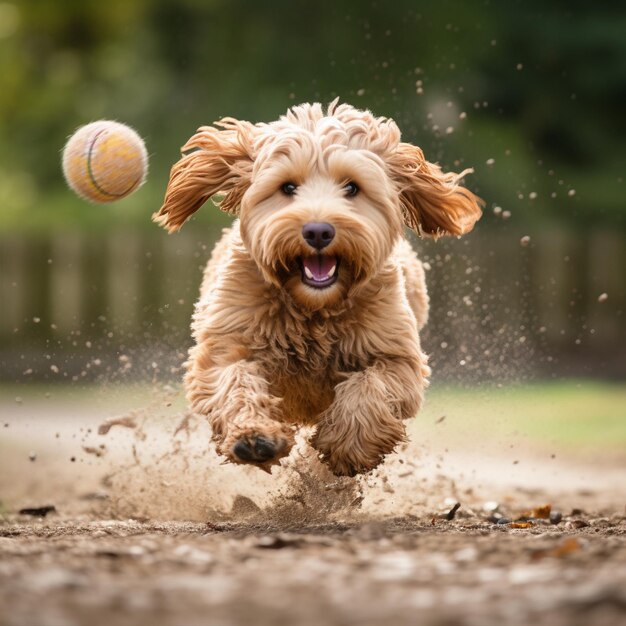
<point x="319" y="216"/>
<point x="322" y="198"/>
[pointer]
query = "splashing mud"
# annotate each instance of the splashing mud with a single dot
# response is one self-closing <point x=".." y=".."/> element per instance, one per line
<point x="173" y="472"/>
<point x="165" y="467"/>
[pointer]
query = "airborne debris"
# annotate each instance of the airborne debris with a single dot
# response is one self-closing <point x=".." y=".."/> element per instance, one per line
<point x="99" y="451"/>
<point x="525" y="240"/>
<point x="603" y="297"/>
<point x="357" y="501"/>
<point x="127" y="421"/>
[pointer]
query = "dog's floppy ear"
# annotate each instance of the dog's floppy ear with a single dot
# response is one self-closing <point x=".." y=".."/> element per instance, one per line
<point x="432" y="202"/>
<point x="218" y="162"/>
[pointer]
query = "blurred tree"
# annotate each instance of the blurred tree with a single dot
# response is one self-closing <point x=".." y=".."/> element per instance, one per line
<point x="529" y="93"/>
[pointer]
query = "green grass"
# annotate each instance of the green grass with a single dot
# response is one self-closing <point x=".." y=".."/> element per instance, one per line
<point x="573" y="414"/>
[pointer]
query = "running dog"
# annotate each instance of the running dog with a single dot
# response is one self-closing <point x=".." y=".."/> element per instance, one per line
<point x="312" y="302"/>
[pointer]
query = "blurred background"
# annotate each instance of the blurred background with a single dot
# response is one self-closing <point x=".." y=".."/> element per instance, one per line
<point x="530" y="94"/>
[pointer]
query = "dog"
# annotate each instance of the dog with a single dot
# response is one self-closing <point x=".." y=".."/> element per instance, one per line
<point x="312" y="302"/>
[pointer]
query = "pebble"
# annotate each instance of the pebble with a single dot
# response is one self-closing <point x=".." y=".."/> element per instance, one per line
<point x="555" y="517"/>
<point x="577" y="523"/>
<point x="491" y="506"/>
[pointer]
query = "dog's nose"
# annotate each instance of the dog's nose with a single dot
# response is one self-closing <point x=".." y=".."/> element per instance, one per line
<point x="318" y="234"/>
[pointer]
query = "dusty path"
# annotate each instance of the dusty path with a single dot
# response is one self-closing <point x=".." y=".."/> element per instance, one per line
<point x="299" y="547"/>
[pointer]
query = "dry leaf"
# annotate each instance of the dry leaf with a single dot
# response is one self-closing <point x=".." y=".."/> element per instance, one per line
<point x="539" y="512"/>
<point x="521" y="525"/>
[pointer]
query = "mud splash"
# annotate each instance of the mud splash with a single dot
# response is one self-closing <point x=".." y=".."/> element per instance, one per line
<point x="166" y="468"/>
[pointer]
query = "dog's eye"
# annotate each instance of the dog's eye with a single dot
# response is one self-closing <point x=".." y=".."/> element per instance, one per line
<point x="351" y="189"/>
<point x="289" y="189"/>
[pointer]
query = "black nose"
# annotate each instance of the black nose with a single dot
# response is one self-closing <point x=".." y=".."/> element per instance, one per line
<point x="318" y="234"/>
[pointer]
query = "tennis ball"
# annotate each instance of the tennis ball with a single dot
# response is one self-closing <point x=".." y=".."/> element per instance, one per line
<point x="105" y="161"/>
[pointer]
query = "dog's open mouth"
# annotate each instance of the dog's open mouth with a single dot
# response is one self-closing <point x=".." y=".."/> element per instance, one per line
<point x="319" y="270"/>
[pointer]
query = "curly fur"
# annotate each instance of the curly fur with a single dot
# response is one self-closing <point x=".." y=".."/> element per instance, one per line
<point x="273" y="353"/>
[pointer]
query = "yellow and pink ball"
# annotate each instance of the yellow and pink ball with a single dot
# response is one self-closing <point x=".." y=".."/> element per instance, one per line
<point x="105" y="161"/>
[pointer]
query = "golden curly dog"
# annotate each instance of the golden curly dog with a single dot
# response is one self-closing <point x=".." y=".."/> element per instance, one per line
<point x="311" y="303"/>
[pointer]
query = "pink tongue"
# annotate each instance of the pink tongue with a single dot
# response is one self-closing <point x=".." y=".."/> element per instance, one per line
<point x="320" y="265"/>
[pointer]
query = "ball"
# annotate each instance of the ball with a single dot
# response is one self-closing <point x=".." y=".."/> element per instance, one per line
<point x="105" y="161"/>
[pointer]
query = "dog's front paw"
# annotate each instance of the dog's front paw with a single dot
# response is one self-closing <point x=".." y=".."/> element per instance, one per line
<point x="262" y="449"/>
<point x="341" y="466"/>
<point x="255" y="449"/>
<point x="340" y="462"/>
<point x="352" y="451"/>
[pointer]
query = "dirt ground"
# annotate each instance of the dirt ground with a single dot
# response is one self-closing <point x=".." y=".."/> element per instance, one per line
<point x="150" y="528"/>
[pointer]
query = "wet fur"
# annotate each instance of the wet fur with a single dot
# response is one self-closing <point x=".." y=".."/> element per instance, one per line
<point x="272" y="353"/>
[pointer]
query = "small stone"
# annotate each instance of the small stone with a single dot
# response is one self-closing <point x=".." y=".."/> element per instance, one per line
<point x="503" y="520"/>
<point x="556" y="517"/>
<point x="577" y="523"/>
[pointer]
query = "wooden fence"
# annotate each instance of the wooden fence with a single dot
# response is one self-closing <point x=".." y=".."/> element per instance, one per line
<point x="497" y="306"/>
